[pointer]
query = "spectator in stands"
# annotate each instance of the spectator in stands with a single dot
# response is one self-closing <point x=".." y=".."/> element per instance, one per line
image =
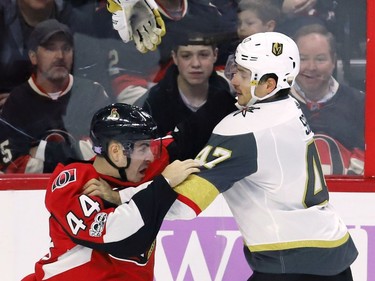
<point x="216" y="16"/>
<point x="296" y="13"/>
<point x="332" y="109"/>
<point x="46" y="118"/>
<point x="132" y="75"/>
<point x="18" y="19"/>
<point x="253" y="16"/>
<point x="189" y="85"/>
<point x="256" y="16"/>
<point x="195" y="15"/>
<point x="292" y="8"/>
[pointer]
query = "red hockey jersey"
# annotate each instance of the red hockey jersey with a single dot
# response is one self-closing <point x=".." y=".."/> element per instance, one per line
<point x="91" y="239"/>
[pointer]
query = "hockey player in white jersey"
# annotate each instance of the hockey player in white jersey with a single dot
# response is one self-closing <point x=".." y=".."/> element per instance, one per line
<point x="264" y="161"/>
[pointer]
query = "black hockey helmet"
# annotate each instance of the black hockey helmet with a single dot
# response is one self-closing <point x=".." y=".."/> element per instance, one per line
<point x="121" y="122"/>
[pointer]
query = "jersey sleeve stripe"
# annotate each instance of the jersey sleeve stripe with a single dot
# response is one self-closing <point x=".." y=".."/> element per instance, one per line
<point x="198" y="190"/>
<point x="300" y="244"/>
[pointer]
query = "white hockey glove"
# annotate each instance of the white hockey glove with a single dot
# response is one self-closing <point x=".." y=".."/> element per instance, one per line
<point x="137" y="20"/>
<point x="147" y="25"/>
<point x="121" y="13"/>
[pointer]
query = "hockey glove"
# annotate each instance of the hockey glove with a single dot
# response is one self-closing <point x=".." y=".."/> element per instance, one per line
<point x="147" y="25"/>
<point x="137" y="20"/>
<point x="121" y="14"/>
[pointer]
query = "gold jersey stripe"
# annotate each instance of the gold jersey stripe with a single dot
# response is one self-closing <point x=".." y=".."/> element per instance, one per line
<point x="199" y="190"/>
<point x="300" y="244"/>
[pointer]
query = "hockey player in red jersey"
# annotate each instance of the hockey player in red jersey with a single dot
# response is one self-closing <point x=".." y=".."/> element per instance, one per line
<point x="93" y="239"/>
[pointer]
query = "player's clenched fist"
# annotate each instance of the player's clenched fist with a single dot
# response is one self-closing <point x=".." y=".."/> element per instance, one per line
<point x="99" y="187"/>
<point x="137" y="20"/>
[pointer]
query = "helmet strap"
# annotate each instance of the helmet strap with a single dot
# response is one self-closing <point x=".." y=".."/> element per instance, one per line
<point x="254" y="98"/>
<point x="121" y="170"/>
<point x="122" y="173"/>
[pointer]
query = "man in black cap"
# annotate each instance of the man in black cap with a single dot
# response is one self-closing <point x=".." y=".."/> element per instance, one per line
<point x="46" y="118"/>
<point x="46" y="30"/>
<point x="18" y="19"/>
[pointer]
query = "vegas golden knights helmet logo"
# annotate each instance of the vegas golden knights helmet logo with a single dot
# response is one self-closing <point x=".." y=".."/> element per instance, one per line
<point x="277" y="49"/>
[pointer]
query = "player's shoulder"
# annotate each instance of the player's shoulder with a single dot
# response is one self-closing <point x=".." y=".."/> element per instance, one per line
<point x="84" y="166"/>
<point x="76" y="172"/>
<point x="65" y="184"/>
<point x="259" y="117"/>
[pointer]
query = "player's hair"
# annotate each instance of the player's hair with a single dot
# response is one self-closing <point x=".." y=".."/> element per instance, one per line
<point x="268" y="75"/>
<point x="264" y="9"/>
<point x="280" y="93"/>
<point x="318" y="29"/>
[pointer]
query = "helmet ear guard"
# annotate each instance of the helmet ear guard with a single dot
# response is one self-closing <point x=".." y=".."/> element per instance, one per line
<point x="269" y="53"/>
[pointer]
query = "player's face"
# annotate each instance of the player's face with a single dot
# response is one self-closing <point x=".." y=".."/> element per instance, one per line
<point x="141" y="157"/>
<point x="195" y="63"/>
<point x="53" y="60"/>
<point x="241" y="83"/>
<point x="248" y="23"/>
<point x="317" y="65"/>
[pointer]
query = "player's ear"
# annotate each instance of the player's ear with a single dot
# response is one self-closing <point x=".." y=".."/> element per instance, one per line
<point x="115" y="151"/>
<point x="271" y="84"/>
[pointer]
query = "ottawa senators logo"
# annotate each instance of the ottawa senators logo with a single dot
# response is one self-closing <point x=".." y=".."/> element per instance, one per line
<point x="277" y="49"/>
<point x="114" y="114"/>
<point x="64" y="178"/>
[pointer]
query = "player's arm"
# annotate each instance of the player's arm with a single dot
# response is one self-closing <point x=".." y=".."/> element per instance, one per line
<point x="174" y="173"/>
<point x="225" y="160"/>
<point x="125" y="230"/>
<point x="195" y="194"/>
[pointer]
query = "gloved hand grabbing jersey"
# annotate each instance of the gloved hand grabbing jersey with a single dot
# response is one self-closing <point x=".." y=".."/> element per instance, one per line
<point x="137" y="20"/>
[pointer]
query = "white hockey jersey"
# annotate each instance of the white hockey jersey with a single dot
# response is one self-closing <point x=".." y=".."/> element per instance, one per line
<point x="265" y="162"/>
